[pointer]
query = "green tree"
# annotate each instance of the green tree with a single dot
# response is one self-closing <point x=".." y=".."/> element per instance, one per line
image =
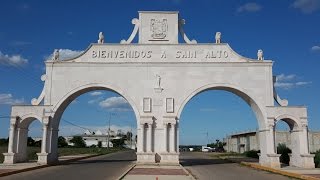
<point x="4" y="141"/>
<point x="78" y="141"/>
<point x="62" y="142"/>
<point x="117" y="142"/>
<point x="284" y="151"/>
<point x="99" y="144"/>
<point x="30" y="141"/>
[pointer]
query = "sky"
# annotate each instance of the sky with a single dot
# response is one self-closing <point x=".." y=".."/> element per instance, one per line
<point x="288" y="31"/>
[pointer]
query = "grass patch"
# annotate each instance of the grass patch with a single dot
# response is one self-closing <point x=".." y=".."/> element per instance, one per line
<point x="32" y="151"/>
<point x="227" y="154"/>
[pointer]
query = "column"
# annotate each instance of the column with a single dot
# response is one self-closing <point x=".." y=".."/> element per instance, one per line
<point x="177" y="137"/>
<point x="44" y="138"/>
<point x="140" y="139"/>
<point x="149" y="137"/>
<point x="165" y="137"/>
<point x="11" y="136"/>
<point x="172" y="137"/>
<point x="272" y="136"/>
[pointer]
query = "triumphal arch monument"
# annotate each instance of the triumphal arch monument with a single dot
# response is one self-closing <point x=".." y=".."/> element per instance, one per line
<point x="158" y="76"/>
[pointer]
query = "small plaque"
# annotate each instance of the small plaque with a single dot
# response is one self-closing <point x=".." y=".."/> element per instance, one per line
<point x="146" y="104"/>
<point x="169" y="105"/>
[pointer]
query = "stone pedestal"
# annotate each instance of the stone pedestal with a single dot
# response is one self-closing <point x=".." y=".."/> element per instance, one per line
<point x="9" y="158"/>
<point x="169" y="158"/>
<point x="145" y="158"/>
<point x="43" y="158"/>
<point x="270" y="160"/>
<point x="302" y="161"/>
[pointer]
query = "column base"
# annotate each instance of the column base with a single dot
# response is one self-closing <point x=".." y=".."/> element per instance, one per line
<point x="10" y="158"/>
<point x="169" y="158"/>
<point x="270" y="160"/>
<point x="302" y="161"/>
<point x="46" y="158"/>
<point x="145" y="157"/>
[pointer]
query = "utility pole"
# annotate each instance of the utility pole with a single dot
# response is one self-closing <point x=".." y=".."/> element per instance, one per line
<point x="108" y="139"/>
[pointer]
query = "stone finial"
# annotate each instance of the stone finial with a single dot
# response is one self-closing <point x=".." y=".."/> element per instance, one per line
<point x="55" y="56"/>
<point x="218" y="37"/>
<point x="101" y="38"/>
<point x="260" y="55"/>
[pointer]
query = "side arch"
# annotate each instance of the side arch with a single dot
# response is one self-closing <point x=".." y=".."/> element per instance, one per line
<point x="292" y="121"/>
<point x="27" y="119"/>
<point x="63" y="103"/>
<point x="244" y="94"/>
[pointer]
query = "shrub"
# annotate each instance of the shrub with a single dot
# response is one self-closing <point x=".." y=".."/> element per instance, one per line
<point x="252" y="154"/>
<point x="78" y="141"/>
<point x="284" y="151"/>
<point x="317" y="159"/>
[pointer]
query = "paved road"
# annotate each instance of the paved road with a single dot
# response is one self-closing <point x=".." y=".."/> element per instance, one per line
<point x="205" y="168"/>
<point x="104" y="167"/>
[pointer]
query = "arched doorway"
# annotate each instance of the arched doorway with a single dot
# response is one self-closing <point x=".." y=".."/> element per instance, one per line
<point x="266" y="148"/>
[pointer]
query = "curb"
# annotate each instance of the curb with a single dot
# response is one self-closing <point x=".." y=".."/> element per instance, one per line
<point x="127" y="171"/>
<point x="277" y="171"/>
<point x="186" y="171"/>
<point x="47" y="165"/>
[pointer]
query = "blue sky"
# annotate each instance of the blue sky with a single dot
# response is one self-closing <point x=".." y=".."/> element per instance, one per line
<point x="288" y="31"/>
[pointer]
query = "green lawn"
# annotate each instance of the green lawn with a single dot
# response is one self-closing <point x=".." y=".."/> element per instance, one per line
<point x="63" y="151"/>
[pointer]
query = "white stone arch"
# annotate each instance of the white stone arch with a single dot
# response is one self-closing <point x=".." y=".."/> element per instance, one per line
<point x="242" y="93"/>
<point x="292" y="121"/>
<point x="63" y="103"/>
<point x="27" y="119"/>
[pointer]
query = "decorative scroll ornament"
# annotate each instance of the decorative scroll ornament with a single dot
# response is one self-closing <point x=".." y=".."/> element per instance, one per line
<point x="101" y="38"/>
<point x="218" y="37"/>
<point x="260" y="55"/>
<point x="136" y="23"/>
<point x="35" y="101"/>
<point x="185" y="38"/>
<point x="281" y="102"/>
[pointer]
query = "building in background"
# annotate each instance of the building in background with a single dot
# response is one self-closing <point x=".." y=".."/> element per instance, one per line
<point x="249" y="140"/>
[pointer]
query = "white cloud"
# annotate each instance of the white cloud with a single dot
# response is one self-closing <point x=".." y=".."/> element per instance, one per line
<point x="283" y="77"/>
<point x="12" y="60"/>
<point x="289" y="81"/>
<point x="315" y="48"/>
<point x="7" y="99"/>
<point x="115" y="104"/>
<point x="307" y="6"/>
<point x="249" y="7"/>
<point x="96" y="93"/>
<point x="66" y="54"/>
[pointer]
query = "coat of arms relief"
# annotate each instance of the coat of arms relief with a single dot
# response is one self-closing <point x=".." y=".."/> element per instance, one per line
<point x="159" y="28"/>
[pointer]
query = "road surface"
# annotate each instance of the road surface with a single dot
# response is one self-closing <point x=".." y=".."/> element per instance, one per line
<point x="207" y="168"/>
<point x="109" y="166"/>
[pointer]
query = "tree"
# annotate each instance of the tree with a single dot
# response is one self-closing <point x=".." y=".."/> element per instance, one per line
<point x="78" y="141"/>
<point x="4" y="141"/>
<point x="117" y="142"/>
<point x="99" y="144"/>
<point x="129" y="135"/>
<point x="62" y="142"/>
<point x="30" y="141"/>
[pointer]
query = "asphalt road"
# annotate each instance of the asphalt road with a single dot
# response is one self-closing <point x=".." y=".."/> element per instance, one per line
<point x="206" y="168"/>
<point x="109" y="166"/>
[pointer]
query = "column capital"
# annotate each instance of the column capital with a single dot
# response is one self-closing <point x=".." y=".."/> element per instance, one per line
<point x="46" y="120"/>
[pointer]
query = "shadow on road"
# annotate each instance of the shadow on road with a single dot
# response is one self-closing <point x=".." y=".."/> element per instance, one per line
<point x="195" y="161"/>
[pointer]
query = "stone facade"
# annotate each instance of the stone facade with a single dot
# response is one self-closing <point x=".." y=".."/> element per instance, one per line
<point x="245" y="141"/>
<point x="158" y="76"/>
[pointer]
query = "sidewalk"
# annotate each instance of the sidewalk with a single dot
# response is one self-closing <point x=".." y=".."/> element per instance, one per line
<point x="158" y="172"/>
<point x="295" y="172"/>
<point x="6" y="170"/>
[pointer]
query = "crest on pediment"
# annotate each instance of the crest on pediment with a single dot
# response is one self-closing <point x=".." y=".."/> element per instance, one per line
<point x="159" y="28"/>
